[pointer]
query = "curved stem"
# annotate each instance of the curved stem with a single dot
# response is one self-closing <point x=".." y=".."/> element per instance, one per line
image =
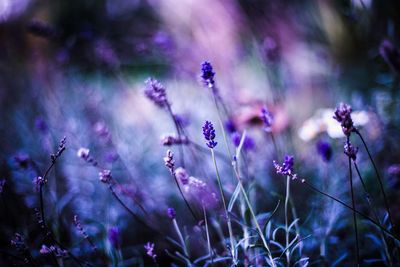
<point x="286" y="220"/>
<point x="178" y="131"/>
<point x="313" y="188"/>
<point x="378" y="177"/>
<point x="184" y="198"/>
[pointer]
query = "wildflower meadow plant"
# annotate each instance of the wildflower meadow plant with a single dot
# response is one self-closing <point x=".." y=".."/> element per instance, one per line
<point x="214" y="160"/>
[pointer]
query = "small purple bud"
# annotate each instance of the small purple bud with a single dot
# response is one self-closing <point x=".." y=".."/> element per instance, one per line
<point x="350" y="150"/>
<point x="267" y="119"/>
<point x="286" y="168"/>
<point x="171" y="213"/>
<point x="207" y="74"/>
<point x="156" y="92"/>
<point x="149" y="247"/>
<point x="343" y="116"/>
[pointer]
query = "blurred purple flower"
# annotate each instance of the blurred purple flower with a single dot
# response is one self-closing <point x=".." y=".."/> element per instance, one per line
<point x="394" y="170"/>
<point x="230" y="126"/>
<point x="209" y="134"/>
<point x="248" y="143"/>
<point x="111" y="156"/>
<point x="23" y="160"/>
<point x="170" y="140"/>
<point x="267" y="119"/>
<point x="286" y="168"/>
<point x="182" y="175"/>
<point x="149" y="247"/>
<point x="207" y="74"/>
<point x="343" y="116"/>
<point x="350" y="150"/>
<point x="58" y="252"/>
<point x="156" y="92"/>
<point x="41" y="125"/>
<point x="201" y="192"/>
<point x="324" y="150"/>
<point x="390" y="54"/>
<point x="171" y="213"/>
<point x="114" y="236"/>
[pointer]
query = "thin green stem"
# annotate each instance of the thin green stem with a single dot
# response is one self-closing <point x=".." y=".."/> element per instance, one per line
<point x="208" y="236"/>
<point x="231" y="238"/>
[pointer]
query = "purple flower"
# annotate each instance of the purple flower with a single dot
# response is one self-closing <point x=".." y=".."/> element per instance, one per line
<point x="390" y="54"/>
<point x="149" y="247"/>
<point x="230" y="126"/>
<point x="105" y="176"/>
<point x="207" y="74"/>
<point x="23" y="160"/>
<point x="114" y="236"/>
<point x="182" y="175"/>
<point x="248" y="143"/>
<point x="201" y="192"/>
<point x="170" y="140"/>
<point x="171" y="213"/>
<point x="343" y="116"/>
<point x="324" y="150"/>
<point x="209" y="134"/>
<point x="156" y="92"/>
<point x="350" y="150"/>
<point x="41" y="125"/>
<point x="286" y="168"/>
<point x="267" y="118"/>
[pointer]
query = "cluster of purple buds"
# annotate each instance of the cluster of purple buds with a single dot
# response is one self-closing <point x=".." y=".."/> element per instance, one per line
<point x="171" y="213"/>
<point x="169" y="161"/>
<point x="19" y="243"/>
<point x="267" y="119"/>
<point x="286" y="168"/>
<point x="209" y="134"/>
<point x="149" y="247"/>
<point x="170" y="140"/>
<point x="201" y="192"/>
<point x="350" y="150"/>
<point x="83" y="153"/>
<point x="248" y="143"/>
<point x="343" y="116"/>
<point x="61" y="148"/>
<point x="182" y="175"/>
<point x="82" y="231"/>
<point x="207" y="74"/>
<point x="58" y="252"/>
<point x="156" y="92"/>
<point x="105" y="176"/>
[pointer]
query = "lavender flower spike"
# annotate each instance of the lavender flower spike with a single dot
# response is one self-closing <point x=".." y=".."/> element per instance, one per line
<point x="169" y="161"/>
<point x="343" y="115"/>
<point x="267" y="119"/>
<point x="286" y="168"/>
<point x="207" y="74"/>
<point x="209" y="134"/>
<point x="350" y="150"/>
<point x="155" y="91"/>
<point x="150" y="250"/>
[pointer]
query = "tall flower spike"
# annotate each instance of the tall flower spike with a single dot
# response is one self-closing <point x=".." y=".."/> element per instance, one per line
<point x="350" y="150"/>
<point x="156" y="92"/>
<point x="343" y="115"/>
<point x="207" y="74"/>
<point x="267" y="119"/>
<point x="209" y="134"/>
<point x="286" y="168"/>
